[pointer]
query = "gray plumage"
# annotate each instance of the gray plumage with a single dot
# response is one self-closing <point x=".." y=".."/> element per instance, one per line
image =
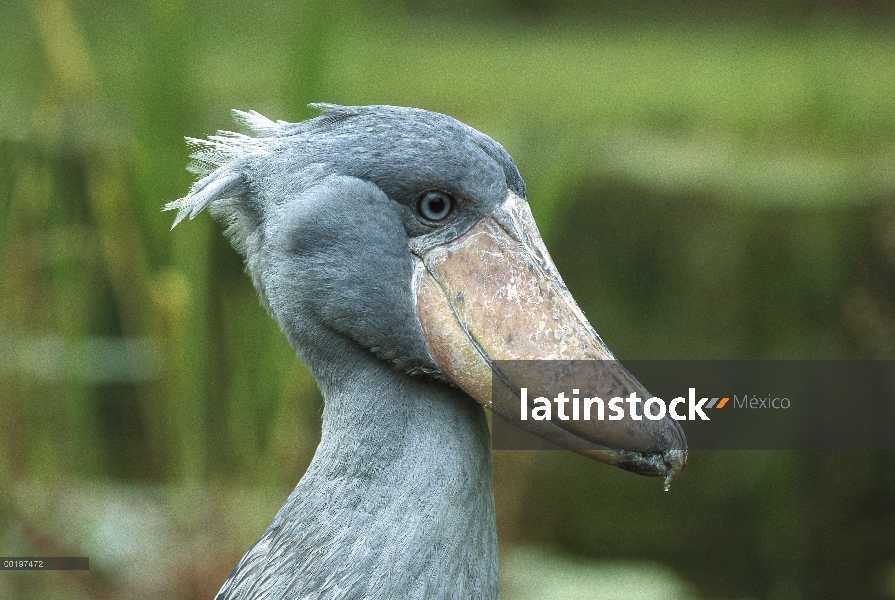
<point x="389" y="307"/>
<point x="397" y="502"/>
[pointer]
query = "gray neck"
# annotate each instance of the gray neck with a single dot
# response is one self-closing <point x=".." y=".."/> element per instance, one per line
<point x="397" y="502"/>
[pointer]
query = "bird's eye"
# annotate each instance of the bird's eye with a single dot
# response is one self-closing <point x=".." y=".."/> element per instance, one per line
<point x="435" y="206"/>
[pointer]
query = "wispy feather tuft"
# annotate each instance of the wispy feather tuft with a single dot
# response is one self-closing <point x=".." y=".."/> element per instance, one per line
<point x="203" y="193"/>
<point x="220" y="161"/>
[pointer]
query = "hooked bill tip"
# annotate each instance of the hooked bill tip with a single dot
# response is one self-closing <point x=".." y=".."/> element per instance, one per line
<point x="675" y="461"/>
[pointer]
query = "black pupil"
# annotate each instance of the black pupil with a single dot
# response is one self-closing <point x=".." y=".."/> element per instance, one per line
<point x="436" y="205"/>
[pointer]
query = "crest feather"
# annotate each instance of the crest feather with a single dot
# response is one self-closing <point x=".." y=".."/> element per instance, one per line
<point x="220" y="160"/>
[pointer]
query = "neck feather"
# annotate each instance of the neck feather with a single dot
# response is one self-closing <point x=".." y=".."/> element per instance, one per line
<point x="397" y="502"/>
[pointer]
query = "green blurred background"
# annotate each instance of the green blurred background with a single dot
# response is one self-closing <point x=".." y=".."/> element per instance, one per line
<point x="713" y="179"/>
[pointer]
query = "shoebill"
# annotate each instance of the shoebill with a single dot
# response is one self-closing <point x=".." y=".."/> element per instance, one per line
<point x="396" y="250"/>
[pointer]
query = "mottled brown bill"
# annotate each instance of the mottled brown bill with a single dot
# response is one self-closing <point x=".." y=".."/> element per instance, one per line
<point x="493" y="295"/>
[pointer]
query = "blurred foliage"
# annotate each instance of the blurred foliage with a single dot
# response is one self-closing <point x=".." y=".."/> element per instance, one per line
<point x="714" y="180"/>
